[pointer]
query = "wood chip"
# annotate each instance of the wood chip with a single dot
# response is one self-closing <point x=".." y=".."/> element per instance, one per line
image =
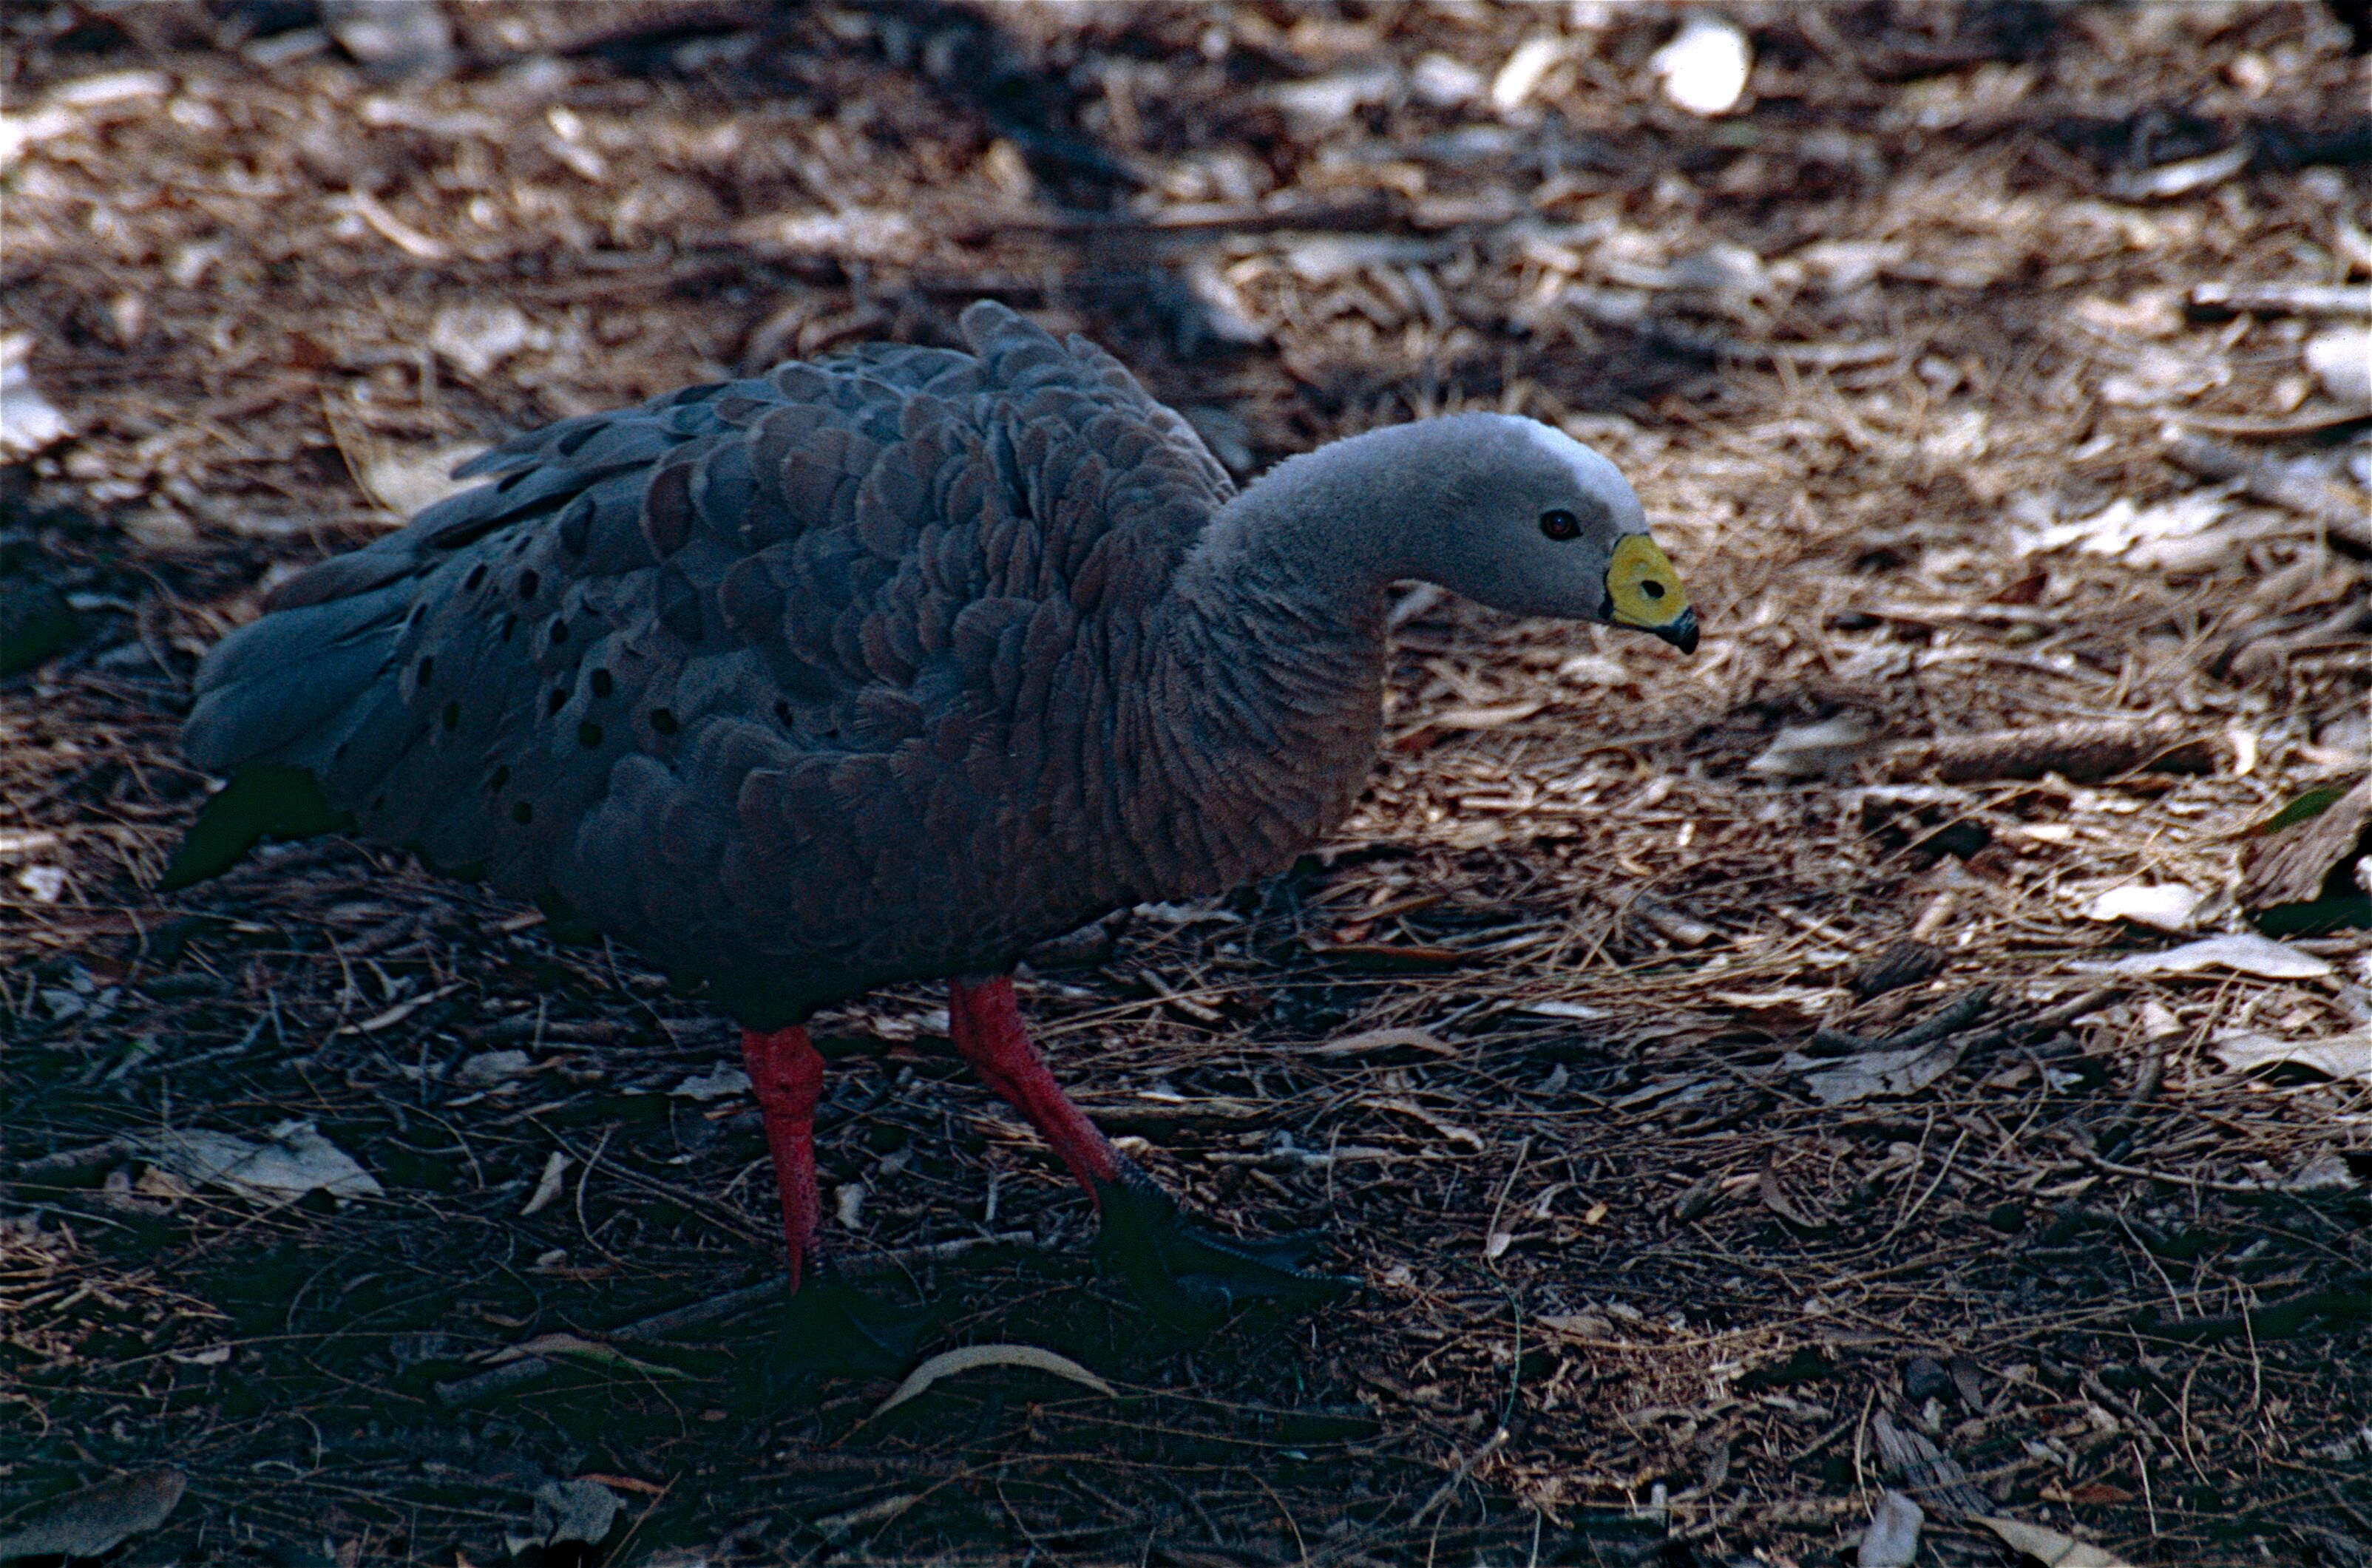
<point x="1371" y="1043"/>
<point x="1932" y="1475"/>
<point x="2079" y="749"/>
<point x="2276" y="483"/>
<point x="2283" y="300"/>
<point x="2291" y="866"/>
<point x="400" y="1011"/>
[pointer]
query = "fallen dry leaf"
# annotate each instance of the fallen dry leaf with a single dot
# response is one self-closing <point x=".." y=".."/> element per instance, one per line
<point x="295" y="1161"/>
<point x="1579" y="1010"/>
<point x="1874" y="1072"/>
<point x="1892" y="1539"/>
<point x="1813" y="750"/>
<point x="2339" y="1057"/>
<point x="837" y="1528"/>
<point x="1775" y="1198"/>
<point x="716" y="1083"/>
<point x="2291" y="866"/>
<point x="486" y="1068"/>
<point x="400" y="1011"/>
<point x="95" y="1520"/>
<point x="29" y="422"/>
<point x="1581" y="1325"/>
<point x="580" y="1510"/>
<point x="1450" y="1130"/>
<point x="1368" y="1042"/>
<point x="2048" y="1547"/>
<point x="406" y="481"/>
<point x="578" y="1348"/>
<point x="547" y="1189"/>
<point x="2244" y="951"/>
<point x="2168" y="906"/>
<point x="947" y="1364"/>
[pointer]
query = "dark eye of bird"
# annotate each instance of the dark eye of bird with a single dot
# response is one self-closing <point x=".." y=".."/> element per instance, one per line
<point x="1652" y="588"/>
<point x="1558" y="523"/>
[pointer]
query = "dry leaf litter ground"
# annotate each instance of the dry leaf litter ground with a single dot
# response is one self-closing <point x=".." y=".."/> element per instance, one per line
<point x="1567" y="1046"/>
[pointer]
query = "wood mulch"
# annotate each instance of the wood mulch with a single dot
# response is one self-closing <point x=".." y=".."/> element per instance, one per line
<point x="1724" y="1075"/>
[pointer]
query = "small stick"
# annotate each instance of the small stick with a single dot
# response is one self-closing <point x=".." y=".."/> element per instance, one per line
<point x="2270" y="481"/>
<point x="526" y="1371"/>
<point x="67" y="1165"/>
<point x="2250" y="1189"/>
<point x="2118" y="1130"/>
<point x="715" y="1309"/>
<point x="2080" y="750"/>
<point x="2283" y="299"/>
<point x="2042" y="1023"/>
<point x="1951" y="1021"/>
<point x="1458" y="1477"/>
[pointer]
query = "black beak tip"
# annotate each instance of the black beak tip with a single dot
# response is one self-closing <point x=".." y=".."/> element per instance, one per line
<point x="1682" y="634"/>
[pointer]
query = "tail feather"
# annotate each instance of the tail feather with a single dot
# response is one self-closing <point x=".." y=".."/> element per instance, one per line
<point x="276" y="700"/>
<point x="363" y="744"/>
<point x="280" y="710"/>
<point x="290" y="636"/>
<point x="341" y="576"/>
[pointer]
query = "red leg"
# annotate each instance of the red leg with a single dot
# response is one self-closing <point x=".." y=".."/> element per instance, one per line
<point x="788" y="1074"/>
<point x="1184" y="1272"/>
<point x="988" y="1032"/>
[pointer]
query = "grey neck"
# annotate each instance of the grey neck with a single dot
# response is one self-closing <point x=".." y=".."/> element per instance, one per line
<point x="1331" y="527"/>
<point x="1263" y="691"/>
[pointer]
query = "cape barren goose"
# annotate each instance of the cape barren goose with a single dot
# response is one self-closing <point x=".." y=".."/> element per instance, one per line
<point x="887" y="667"/>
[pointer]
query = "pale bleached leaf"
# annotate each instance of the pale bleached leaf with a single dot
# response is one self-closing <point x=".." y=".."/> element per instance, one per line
<point x="96" y="1519"/>
<point x="580" y="1510"/>
<point x="297" y="1160"/>
<point x="1892" y="1539"/>
<point x="575" y="1347"/>
<point x="2244" y="951"/>
<point x="2168" y="906"/>
<point x="547" y="1190"/>
<point x="2339" y="1056"/>
<point x="717" y="1084"/>
<point x="1368" y="1042"/>
<point x="2048" y="1547"/>
<point x="947" y="1364"/>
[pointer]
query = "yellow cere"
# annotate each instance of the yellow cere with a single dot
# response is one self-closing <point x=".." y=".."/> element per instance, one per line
<point x="1645" y="588"/>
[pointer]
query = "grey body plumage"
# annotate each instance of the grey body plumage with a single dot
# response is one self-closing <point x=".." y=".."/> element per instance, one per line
<point x="887" y="667"/>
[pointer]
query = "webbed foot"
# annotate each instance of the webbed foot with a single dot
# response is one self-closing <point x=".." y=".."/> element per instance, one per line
<point x="830" y="1329"/>
<point x="1193" y="1276"/>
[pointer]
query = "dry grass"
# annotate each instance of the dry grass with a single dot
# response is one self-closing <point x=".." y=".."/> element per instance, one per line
<point x="1868" y="349"/>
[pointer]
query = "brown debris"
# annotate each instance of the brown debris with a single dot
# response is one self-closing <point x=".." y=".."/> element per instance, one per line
<point x="1900" y="964"/>
<point x="2279" y="484"/>
<point x="2082" y="751"/>
<point x="1889" y="360"/>
<point x="2292" y="866"/>
<point x="1934" y="1476"/>
<point x="94" y="1520"/>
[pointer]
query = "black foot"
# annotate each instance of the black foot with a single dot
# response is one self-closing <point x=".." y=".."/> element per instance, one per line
<point x="832" y="1329"/>
<point x="1192" y="1277"/>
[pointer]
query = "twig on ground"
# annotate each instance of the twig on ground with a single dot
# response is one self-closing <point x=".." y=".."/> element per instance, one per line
<point x="514" y="1376"/>
<point x="2079" y="749"/>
